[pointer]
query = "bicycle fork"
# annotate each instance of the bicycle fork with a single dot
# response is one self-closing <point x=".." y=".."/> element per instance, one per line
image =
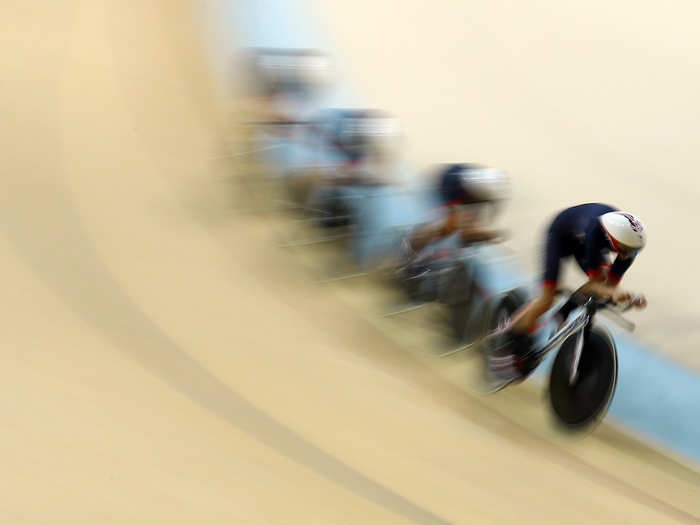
<point x="578" y="349"/>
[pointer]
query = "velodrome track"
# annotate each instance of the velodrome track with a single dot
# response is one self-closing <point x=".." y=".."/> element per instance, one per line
<point x="165" y="361"/>
<point x="578" y="103"/>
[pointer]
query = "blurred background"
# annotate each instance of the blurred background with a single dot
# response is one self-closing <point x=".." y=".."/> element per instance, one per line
<point x="211" y="314"/>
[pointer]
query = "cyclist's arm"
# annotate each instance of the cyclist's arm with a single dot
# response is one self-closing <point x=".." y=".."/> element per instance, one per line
<point x="481" y="234"/>
<point x="423" y="235"/>
<point x="594" y="244"/>
<point x="472" y="229"/>
<point x="618" y="269"/>
<point x="597" y="283"/>
<point x="599" y="286"/>
<point x="426" y="233"/>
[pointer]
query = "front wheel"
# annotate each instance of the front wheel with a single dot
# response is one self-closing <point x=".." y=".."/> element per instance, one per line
<point x="584" y="401"/>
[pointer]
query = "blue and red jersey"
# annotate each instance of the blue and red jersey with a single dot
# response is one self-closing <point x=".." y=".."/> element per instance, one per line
<point x="577" y="232"/>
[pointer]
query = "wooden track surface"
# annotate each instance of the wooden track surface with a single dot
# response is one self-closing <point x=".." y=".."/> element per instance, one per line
<point x="165" y="362"/>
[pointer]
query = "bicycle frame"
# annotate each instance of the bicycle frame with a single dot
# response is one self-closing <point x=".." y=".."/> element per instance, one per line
<point x="577" y="324"/>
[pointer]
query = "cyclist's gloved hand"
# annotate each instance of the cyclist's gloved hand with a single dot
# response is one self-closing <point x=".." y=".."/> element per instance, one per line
<point x="639" y="301"/>
<point x="633" y="300"/>
<point x="621" y="296"/>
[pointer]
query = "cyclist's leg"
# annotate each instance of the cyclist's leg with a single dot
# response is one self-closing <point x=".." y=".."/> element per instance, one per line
<point x="507" y="357"/>
<point x="553" y="253"/>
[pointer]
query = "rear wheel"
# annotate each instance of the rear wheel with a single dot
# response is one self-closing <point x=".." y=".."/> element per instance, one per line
<point x="584" y="402"/>
<point x="497" y="318"/>
<point x="500" y="316"/>
<point x="495" y="321"/>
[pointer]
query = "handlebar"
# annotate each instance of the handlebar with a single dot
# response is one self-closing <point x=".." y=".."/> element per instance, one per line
<point x="593" y="303"/>
<point x="580" y="297"/>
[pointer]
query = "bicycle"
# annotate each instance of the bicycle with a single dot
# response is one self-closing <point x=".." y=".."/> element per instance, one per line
<point x="583" y="377"/>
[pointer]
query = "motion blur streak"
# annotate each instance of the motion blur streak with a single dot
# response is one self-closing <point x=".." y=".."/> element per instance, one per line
<point x="164" y="361"/>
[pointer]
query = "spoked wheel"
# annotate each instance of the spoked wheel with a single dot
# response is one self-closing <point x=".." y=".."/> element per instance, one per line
<point x="498" y="317"/>
<point x="584" y="401"/>
<point x="495" y="321"/>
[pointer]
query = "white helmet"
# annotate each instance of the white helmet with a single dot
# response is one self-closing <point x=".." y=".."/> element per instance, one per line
<point x="625" y="232"/>
<point x="373" y="131"/>
<point x="369" y="124"/>
<point x="486" y="184"/>
<point x="313" y="68"/>
<point x="298" y="68"/>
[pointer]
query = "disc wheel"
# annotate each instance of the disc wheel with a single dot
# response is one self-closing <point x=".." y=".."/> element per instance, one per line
<point x="582" y="403"/>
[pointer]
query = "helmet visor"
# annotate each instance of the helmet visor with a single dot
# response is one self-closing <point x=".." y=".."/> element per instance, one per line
<point x="621" y="248"/>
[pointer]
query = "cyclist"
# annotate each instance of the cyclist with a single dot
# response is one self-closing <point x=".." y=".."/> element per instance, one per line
<point x="463" y="190"/>
<point x="589" y="233"/>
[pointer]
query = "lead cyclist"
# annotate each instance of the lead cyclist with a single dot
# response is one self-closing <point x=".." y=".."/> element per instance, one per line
<point x="589" y="233"/>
